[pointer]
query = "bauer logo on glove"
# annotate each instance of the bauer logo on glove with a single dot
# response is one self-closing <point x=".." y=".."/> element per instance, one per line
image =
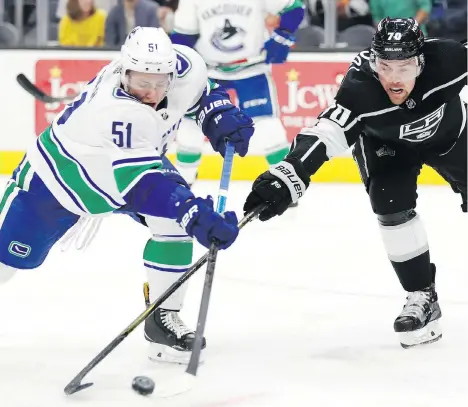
<point x="295" y="184"/>
<point x="206" y="111"/>
<point x="188" y="216"/>
<point x="221" y="121"/>
<point x="199" y="219"/>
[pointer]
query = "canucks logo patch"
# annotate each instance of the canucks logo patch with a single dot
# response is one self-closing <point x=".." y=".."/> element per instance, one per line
<point x="228" y="38"/>
<point x="183" y="64"/>
<point x="19" y="249"/>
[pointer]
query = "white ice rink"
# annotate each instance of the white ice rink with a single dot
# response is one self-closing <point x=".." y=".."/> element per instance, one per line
<point x="301" y="314"/>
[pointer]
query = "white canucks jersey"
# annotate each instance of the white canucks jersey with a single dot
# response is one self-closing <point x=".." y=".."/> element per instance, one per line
<point x="229" y="30"/>
<point x="104" y="142"/>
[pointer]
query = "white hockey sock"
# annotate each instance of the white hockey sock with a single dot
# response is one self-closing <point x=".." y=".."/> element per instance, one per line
<point x="165" y="261"/>
<point x="187" y="164"/>
<point x="190" y="142"/>
<point x="406" y="241"/>
<point x="270" y="137"/>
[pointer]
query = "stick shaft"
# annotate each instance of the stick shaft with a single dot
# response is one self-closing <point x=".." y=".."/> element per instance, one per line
<point x="37" y="93"/>
<point x="75" y="384"/>
<point x="210" y="268"/>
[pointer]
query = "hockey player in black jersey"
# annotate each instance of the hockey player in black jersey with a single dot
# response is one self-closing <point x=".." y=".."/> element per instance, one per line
<point x="401" y="106"/>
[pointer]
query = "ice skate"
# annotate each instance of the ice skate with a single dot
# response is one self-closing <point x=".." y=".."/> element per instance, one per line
<point x="170" y="339"/>
<point x="418" y="323"/>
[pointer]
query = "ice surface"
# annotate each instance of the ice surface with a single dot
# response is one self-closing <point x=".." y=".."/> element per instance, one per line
<point x="301" y="314"/>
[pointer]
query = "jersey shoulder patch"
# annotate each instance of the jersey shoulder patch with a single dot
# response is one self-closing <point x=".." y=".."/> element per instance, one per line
<point x="188" y="60"/>
<point x="184" y="65"/>
<point x="192" y="75"/>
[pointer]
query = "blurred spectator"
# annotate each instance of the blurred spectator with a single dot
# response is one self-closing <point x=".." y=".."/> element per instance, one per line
<point x="105" y="5"/>
<point x="450" y="20"/>
<point x="29" y="8"/>
<point x="83" y="25"/>
<point x="124" y="17"/>
<point x="166" y="13"/>
<point x="172" y="4"/>
<point x="349" y="13"/>
<point x="418" y="9"/>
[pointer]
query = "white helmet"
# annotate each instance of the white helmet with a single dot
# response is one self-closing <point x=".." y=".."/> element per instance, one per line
<point x="148" y="50"/>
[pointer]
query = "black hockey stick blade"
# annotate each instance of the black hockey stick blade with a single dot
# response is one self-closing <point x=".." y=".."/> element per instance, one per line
<point x="194" y="361"/>
<point x="75" y="384"/>
<point x="74" y="387"/>
<point x="37" y="93"/>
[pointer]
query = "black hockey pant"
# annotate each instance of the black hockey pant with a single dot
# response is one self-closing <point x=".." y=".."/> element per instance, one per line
<point x="389" y="173"/>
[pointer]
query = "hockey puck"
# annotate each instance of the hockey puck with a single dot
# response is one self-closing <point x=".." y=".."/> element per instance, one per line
<point x="143" y="385"/>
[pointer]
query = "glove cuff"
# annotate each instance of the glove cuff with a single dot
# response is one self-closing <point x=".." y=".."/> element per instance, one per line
<point x="294" y="176"/>
<point x="283" y="37"/>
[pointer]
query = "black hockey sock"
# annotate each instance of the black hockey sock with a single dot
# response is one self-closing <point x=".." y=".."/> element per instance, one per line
<point x="406" y="244"/>
<point x="414" y="274"/>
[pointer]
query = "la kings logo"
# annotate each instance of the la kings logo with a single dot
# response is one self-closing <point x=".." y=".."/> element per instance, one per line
<point x="424" y="128"/>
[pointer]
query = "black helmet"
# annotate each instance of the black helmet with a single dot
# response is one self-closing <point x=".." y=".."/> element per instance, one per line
<point x="398" y="38"/>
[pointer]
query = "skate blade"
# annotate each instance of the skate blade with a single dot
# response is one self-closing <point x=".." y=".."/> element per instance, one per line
<point x="431" y="333"/>
<point x="165" y="354"/>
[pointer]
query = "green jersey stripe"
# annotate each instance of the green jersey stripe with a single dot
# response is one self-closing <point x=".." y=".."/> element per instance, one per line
<point x="69" y="172"/>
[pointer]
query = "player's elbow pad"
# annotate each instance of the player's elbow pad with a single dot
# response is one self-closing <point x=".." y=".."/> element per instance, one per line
<point x="315" y="145"/>
<point x="157" y="195"/>
<point x="330" y="134"/>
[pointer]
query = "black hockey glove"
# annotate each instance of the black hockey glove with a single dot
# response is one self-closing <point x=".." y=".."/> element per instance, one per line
<point x="283" y="184"/>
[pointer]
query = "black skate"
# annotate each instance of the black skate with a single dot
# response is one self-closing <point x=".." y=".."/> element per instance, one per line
<point x="418" y="323"/>
<point x="170" y="339"/>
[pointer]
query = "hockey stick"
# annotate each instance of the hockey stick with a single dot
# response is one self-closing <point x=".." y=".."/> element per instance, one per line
<point x="210" y="268"/>
<point x="75" y="385"/>
<point x="38" y="94"/>
<point x="238" y="64"/>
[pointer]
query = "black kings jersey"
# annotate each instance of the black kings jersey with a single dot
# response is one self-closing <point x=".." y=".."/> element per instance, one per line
<point x="432" y="117"/>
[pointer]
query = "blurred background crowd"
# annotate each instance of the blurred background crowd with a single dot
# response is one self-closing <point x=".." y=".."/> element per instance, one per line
<point x="105" y="23"/>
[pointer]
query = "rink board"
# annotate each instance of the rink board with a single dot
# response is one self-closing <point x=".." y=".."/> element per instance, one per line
<point x="306" y="85"/>
<point x="340" y="169"/>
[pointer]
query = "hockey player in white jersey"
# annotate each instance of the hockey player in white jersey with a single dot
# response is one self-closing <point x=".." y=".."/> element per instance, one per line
<point x="104" y="153"/>
<point x="223" y="31"/>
